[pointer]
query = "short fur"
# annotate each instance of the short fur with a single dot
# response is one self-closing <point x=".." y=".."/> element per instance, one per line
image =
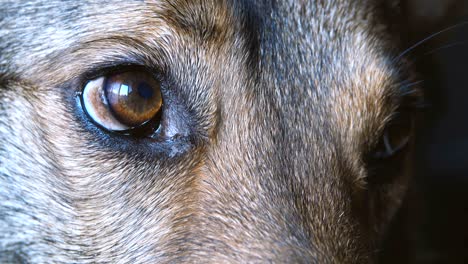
<point x="270" y="109"/>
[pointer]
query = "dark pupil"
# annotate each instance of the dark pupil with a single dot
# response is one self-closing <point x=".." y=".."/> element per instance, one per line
<point x="145" y="90"/>
<point x="133" y="97"/>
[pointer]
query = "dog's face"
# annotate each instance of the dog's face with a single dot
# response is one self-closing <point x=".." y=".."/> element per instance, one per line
<point x="194" y="131"/>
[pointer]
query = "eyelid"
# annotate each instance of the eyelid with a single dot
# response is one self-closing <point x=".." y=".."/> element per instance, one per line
<point x="394" y="149"/>
<point x="114" y="67"/>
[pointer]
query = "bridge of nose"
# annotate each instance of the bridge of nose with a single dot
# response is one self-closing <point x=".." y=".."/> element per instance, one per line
<point x="270" y="185"/>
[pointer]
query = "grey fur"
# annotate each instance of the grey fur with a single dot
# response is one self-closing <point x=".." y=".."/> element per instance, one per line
<point x="272" y="106"/>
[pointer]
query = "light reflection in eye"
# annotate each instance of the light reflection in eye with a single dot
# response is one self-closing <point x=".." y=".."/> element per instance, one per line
<point x="124" y="90"/>
<point x="96" y="105"/>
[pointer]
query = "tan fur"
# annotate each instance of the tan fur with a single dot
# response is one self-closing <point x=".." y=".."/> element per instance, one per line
<point x="276" y="105"/>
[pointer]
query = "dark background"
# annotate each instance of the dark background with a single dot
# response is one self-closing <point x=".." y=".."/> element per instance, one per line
<point x="432" y="226"/>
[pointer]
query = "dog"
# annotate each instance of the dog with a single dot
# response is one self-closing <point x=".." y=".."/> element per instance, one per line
<point x="172" y="131"/>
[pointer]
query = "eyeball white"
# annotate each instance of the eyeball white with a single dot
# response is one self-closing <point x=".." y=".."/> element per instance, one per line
<point x="96" y="106"/>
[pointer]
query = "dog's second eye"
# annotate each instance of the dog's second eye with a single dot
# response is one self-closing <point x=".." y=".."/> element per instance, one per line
<point x="395" y="137"/>
<point x="124" y="101"/>
<point x="384" y="159"/>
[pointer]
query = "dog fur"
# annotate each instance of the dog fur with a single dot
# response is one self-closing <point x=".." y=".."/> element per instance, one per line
<point x="270" y="109"/>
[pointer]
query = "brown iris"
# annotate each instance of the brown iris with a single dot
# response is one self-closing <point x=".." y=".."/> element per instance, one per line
<point x="133" y="97"/>
<point x="123" y="101"/>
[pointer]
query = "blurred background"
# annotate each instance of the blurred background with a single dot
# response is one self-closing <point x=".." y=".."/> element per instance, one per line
<point x="432" y="226"/>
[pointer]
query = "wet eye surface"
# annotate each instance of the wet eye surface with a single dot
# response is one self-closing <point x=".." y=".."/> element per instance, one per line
<point x="123" y="102"/>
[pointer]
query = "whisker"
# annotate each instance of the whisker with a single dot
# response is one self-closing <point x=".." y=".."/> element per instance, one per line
<point x="407" y="88"/>
<point x="417" y="44"/>
<point x="408" y="84"/>
<point x="458" y="43"/>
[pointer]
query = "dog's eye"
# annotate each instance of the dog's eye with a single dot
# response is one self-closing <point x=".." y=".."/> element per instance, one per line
<point x="385" y="158"/>
<point x="124" y="101"/>
<point x="395" y="137"/>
